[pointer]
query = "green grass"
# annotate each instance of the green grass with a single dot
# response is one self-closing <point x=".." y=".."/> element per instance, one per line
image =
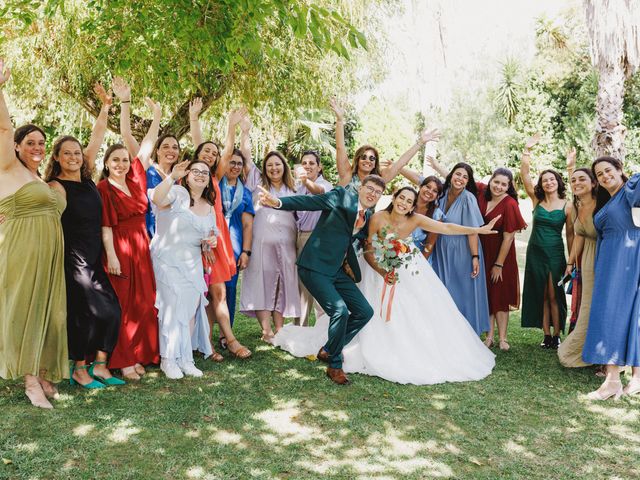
<point x="279" y="417"/>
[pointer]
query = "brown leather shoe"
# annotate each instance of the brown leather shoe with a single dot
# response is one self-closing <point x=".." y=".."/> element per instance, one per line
<point x="337" y="376"/>
<point x="323" y="355"/>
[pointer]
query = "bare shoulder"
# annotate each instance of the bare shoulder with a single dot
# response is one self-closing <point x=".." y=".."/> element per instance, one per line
<point x="57" y="186"/>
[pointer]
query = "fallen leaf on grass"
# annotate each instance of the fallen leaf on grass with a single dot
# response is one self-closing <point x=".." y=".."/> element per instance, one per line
<point x="400" y="407"/>
<point x="207" y="418"/>
<point x="475" y="461"/>
<point x="6" y="461"/>
<point x="311" y="358"/>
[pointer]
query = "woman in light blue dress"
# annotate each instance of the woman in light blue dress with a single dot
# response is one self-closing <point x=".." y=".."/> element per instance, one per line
<point x="613" y="334"/>
<point x="185" y="228"/>
<point x="456" y="258"/>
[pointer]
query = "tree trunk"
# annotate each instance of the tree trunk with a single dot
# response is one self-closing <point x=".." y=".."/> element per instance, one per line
<point x="610" y="132"/>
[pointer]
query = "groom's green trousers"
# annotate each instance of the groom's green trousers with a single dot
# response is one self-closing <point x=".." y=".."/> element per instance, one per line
<point x="347" y="308"/>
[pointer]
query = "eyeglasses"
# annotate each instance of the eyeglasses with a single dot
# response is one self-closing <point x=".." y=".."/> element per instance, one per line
<point x="374" y="191"/>
<point x="199" y="173"/>
<point x="235" y="164"/>
<point x="371" y="158"/>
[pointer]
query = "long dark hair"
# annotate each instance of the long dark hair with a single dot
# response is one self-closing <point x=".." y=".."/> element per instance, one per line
<point x="209" y="192"/>
<point x="398" y="192"/>
<point x="105" y="170"/>
<point x="594" y="183"/>
<point x="20" y="134"/>
<point x="162" y="138"/>
<point x="602" y="196"/>
<point x="196" y="154"/>
<point x="358" y="155"/>
<point x="53" y="169"/>
<point x="287" y="178"/>
<point x="539" y="192"/>
<point x="511" y="191"/>
<point x="471" y="184"/>
<point x="431" y="206"/>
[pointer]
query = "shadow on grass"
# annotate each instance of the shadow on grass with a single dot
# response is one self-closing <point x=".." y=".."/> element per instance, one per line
<point x="274" y="416"/>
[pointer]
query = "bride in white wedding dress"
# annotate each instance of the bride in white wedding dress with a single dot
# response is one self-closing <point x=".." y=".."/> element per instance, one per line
<point x="424" y="339"/>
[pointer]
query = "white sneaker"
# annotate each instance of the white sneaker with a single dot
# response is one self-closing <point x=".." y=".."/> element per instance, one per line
<point x="189" y="368"/>
<point x="171" y="369"/>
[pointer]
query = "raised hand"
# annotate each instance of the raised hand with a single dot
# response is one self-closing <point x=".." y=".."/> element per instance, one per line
<point x="338" y="110"/>
<point x="386" y="163"/>
<point x="5" y="72"/>
<point x="155" y="107"/>
<point x="245" y="123"/>
<point x="121" y="89"/>
<point x="106" y="97"/>
<point x="195" y="107"/>
<point x="236" y="116"/>
<point x="488" y="228"/>
<point x="180" y="170"/>
<point x="571" y="159"/>
<point x="532" y="141"/>
<point x="266" y="199"/>
<point x="427" y="136"/>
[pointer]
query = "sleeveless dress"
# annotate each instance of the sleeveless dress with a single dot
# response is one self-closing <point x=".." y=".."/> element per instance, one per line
<point x="503" y="295"/>
<point x="136" y="286"/>
<point x="177" y="263"/>
<point x="545" y="255"/>
<point x="33" y="311"/>
<point x="93" y="310"/>
<point x="613" y="336"/>
<point x="570" y="351"/>
<point x="425" y="341"/>
<point x="451" y="260"/>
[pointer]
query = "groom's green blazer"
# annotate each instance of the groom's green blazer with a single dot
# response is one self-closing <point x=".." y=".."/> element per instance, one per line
<point x="332" y="237"/>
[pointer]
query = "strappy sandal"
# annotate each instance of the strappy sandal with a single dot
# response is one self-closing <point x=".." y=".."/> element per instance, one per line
<point x="216" y="357"/>
<point x="242" y="352"/>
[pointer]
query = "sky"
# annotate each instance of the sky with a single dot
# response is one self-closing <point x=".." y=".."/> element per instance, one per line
<point x="476" y="34"/>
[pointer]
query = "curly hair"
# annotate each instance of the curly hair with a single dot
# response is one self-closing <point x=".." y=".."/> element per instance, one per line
<point x="539" y="192"/>
<point x="471" y="184"/>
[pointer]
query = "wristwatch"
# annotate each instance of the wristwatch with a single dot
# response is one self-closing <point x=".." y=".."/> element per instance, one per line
<point x="248" y="252"/>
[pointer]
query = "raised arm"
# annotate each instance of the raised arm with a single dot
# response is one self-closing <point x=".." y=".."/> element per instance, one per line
<point x="342" y="159"/>
<point x="99" y="127"/>
<point x="394" y="169"/>
<point x="149" y="140"/>
<point x="234" y="119"/>
<point x="195" y="107"/>
<point x="7" y="153"/>
<point x="571" y="161"/>
<point x="245" y="143"/>
<point x="525" y="167"/>
<point x="123" y="92"/>
<point x="160" y="193"/>
<point x="411" y="175"/>
<point x="431" y="225"/>
<point x="437" y="166"/>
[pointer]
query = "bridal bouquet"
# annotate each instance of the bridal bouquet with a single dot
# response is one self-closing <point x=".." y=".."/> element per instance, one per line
<point x="391" y="253"/>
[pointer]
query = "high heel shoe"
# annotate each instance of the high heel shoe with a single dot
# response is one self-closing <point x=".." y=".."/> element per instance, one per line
<point x="632" y="390"/>
<point x="93" y="384"/>
<point x="597" y="395"/>
<point x="111" y="381"/>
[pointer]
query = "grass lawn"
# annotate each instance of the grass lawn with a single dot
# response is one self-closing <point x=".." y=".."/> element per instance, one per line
<point x="274" y="416"/>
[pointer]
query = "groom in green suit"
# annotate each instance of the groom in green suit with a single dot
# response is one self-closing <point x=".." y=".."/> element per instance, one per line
<point x="320" y="265"/>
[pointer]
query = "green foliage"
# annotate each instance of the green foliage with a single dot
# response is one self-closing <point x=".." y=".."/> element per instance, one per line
<point x="509" y="91"/>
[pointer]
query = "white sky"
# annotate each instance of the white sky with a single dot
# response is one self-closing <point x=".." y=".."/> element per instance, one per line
<point x="477" y="35"/>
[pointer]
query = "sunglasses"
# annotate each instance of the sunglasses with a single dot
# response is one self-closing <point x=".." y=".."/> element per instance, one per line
<point x="371" y="158"/>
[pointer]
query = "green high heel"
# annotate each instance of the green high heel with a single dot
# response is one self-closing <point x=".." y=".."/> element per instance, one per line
<point x="111" y="381"/>
<point x="94" y="383"/>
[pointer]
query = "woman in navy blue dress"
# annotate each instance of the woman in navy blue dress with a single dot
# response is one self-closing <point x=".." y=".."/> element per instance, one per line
<point x="613" y="335"/>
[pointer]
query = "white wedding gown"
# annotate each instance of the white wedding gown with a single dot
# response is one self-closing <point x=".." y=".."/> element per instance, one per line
<point x="425" y="341"/>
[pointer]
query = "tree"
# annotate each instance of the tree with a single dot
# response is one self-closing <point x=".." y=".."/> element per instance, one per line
<point x="614" y="33"/>
<point x="269" y="52"/>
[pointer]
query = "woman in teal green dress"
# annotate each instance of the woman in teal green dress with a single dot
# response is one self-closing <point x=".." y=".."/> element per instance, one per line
<point x="543" y="301"/>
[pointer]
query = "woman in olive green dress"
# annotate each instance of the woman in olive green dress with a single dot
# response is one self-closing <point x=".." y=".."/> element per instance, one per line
<point x="33" y="331"/>
<point x="583" y="255"/>
<point x="543" y="301"/>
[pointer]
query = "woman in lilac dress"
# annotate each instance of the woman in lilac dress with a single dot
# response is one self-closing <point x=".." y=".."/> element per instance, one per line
<point x="270" y="282"/>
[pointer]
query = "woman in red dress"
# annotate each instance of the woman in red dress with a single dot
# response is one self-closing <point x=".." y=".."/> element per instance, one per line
<point x="501" y="267"/>
<point x="224" y="267"/>
<point x="123" y="189"/>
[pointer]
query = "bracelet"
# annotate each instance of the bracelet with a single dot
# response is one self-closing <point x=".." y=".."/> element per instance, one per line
<point x="475" y="256"/>
<point x="125" y="101"/>
<point x="527" y="153"/>
<point x="248" y="252"/>
<point x="498" y="265"/>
